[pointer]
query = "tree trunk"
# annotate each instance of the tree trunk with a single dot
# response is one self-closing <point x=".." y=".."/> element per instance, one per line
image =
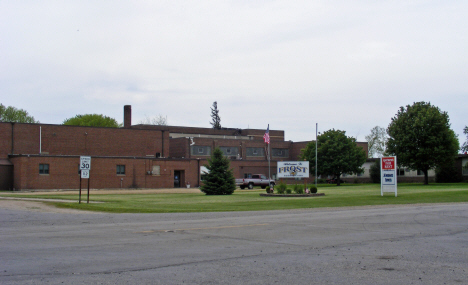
<point x="426" y="177"/>
<point x="338" y="179"/>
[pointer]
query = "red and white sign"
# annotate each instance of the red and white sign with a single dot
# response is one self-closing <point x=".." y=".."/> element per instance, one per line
<point x="388" y="163"/>
<point x="388" y="174"/>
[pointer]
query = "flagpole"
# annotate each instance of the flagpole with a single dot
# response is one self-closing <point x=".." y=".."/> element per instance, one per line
<point x="266" y="138"/>
<point x="269" y="155"/>
<point x="316" y="143"/>
<point x="269" y="175"/>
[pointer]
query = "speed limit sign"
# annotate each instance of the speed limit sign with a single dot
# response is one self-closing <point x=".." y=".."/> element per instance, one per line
<point x="85" y="162"/>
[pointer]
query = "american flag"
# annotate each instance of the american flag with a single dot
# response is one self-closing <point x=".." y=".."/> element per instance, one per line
<point x="266" y="136"/>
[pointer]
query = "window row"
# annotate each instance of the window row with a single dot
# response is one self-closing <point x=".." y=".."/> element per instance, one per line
<point x="234" y="151"/>
<point x="44" y="169"/>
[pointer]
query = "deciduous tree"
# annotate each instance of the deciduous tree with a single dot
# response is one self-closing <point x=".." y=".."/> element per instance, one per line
<point x="92" y="120"/>
<point x="337" y="154"/>
<point x="376" y="141"/>
<point x="464" y="147"/>
<point x="219" y="180"/>
<point x="160" y="120"/>
<point x="12" y="114"/>
<point x="421" y="138"/>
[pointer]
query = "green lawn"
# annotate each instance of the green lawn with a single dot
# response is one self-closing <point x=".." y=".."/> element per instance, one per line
<point x="250" y="200"/>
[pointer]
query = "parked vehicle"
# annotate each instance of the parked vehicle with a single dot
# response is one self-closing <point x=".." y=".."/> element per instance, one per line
<point x="256" y="180"/>
<point x="334" y="181"/>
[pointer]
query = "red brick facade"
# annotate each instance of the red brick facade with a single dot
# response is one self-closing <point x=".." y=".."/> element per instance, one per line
<point x="153" y="156"/>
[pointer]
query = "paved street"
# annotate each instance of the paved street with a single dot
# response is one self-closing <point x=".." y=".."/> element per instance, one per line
<point x="420" y="244"/>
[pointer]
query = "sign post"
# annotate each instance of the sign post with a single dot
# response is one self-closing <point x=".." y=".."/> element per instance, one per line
<point x="85" y="167"/>
<point x="388" y="178"/>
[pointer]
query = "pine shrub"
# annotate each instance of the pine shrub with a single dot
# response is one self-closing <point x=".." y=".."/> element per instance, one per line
<point x="220" y="179"/>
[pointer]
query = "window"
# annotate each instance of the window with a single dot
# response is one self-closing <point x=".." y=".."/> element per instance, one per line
<point x="120" y="169"/>
<point x="156" y="170"/>
<point x="280" y="152"/>
<point x="247" y="175"/>
<point x="200" y="150"/>
<point x="43" y="168"/>
<point x="229" y="151"/>
<point x="255" y="151"/>
<point x="420" y="172"/>
<point x="465" y="166"/>
<point x="401" y="172"/>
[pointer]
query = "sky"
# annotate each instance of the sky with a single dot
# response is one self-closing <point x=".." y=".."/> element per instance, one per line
<point x="346" y="65"/>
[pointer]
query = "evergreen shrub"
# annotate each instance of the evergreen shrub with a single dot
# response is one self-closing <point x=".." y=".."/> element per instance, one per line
<point x="220" y="179"/>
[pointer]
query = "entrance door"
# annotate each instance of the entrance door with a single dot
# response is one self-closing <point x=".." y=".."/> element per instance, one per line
<point x="177" y="179"/>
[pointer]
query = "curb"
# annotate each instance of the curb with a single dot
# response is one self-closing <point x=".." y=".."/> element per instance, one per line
<point x="292" y="195"/>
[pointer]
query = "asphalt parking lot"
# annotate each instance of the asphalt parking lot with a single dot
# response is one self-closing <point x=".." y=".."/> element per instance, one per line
<point x="418" y="244"/>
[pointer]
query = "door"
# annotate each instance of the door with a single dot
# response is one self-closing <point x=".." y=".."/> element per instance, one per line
<point x="177" y="179"/>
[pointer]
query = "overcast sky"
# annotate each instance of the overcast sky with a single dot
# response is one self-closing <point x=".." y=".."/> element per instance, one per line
<point x="346" y="65"/>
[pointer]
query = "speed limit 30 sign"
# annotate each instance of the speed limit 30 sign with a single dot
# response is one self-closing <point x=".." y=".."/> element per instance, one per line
<point x="85" y="162"/>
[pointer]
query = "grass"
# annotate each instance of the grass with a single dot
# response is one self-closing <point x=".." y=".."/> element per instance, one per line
<point x="347" y="195"/>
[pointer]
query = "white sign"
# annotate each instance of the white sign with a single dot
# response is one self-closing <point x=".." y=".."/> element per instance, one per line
<point x="85" y="173"/>
<point x="85" y="162"/>
<point x="388" y="178"/>
<point x="293" y="169"/>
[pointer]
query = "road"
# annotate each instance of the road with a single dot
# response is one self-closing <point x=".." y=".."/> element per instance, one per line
<point x="418" y="244"/>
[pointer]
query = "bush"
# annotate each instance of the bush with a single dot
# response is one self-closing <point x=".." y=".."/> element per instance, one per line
<point x="281" y="188"/>
<point x="298" y="189"/>
<point x="312" y="189"/>
<point x="288" y="191"/>
<point x="374" y="171"/>
<point x="447" y="173"/>
<point x="322" y="181"/>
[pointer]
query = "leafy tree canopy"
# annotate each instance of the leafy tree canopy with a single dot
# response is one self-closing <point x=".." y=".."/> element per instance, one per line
<point x="215" y="119"/>
<point x="337" y="154"/>
<point x="421" y="138"/>
<point x="376" y="141"/>
<point x="11" y="114"/>
<point x="219" y="180"/>
<point x="92" y="120"/>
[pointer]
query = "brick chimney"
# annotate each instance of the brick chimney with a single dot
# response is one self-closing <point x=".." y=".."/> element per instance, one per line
<point x="127" y="116"/>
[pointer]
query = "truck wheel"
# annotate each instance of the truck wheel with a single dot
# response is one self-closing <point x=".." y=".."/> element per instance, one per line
<point x="242" y="187"/>
<point x="250" y="185"/>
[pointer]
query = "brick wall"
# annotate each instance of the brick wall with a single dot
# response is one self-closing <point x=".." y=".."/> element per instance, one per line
<point x="5" y="139"/>
<point x="63" y="173"/>
<point x="179" y="147"/>
<point x="295" y="150"/>
<point x="75" y="140"/>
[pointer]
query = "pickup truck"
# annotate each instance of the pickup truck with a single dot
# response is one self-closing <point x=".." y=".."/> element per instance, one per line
<point x="255" y="180"/>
